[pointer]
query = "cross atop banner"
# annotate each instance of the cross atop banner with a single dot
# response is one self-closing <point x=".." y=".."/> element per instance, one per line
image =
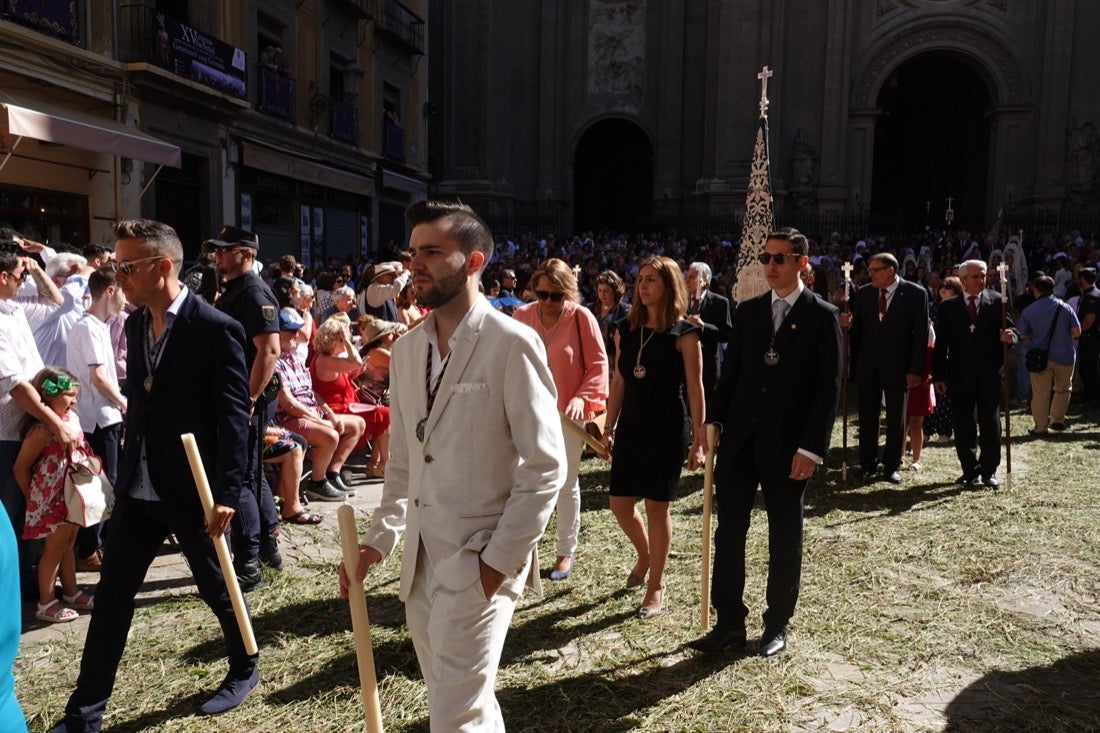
<point x="763" y="76"/>
<point x="759" y="217"/>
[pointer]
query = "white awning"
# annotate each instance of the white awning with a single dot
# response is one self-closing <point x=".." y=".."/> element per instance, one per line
<point x="46" y="122"/>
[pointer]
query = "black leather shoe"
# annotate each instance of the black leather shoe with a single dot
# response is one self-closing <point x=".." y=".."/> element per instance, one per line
<point x="73" y="723"/>
<point x="866" y="474"/>
<point x="249" y="576"/>
<point x="269" y="551"/>
<point x="1058" y="426"/>
<point x="991" y="481"/>
<point x="966" y="479"/>
<point x="338" y="483"/>
<point x="324" y="491"/>
<point x="234" y="689"/>
<point x="773" y="641"/>
<point x="893" y="477"/>
<point x="719" y="639"/>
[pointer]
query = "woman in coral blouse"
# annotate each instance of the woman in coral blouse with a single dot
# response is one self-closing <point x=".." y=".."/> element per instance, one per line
<point x="578" y="362"/>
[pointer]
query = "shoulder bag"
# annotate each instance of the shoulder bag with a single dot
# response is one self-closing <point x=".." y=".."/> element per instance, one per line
<point x="1036" y="358"/>
<point x="86" y="489"/>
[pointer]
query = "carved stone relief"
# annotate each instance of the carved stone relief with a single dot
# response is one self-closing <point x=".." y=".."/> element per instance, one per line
<point x="616" y="47"/>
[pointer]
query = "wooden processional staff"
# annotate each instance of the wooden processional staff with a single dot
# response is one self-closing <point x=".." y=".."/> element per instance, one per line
<point x="360" y="622"/>
<point x="206" y="496"/>
<point x="1002" y="269"/>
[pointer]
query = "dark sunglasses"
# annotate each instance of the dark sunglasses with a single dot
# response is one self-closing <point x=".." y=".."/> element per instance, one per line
<point x="546" y="294"/>
<point x="128" y="267"/>
<point x="780" y="258"/>
<point x="23" y="274"/>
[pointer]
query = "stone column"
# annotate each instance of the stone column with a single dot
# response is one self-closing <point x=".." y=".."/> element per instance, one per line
<point x="861" y="156"/>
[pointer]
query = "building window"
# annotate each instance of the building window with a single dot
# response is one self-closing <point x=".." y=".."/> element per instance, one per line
<point x="393" y="132"/>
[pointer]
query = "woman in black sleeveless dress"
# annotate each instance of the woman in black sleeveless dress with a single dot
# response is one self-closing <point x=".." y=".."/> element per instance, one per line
<point x="659" y="364"/>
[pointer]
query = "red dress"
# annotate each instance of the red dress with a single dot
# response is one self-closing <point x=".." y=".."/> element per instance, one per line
<point x="46" y="503"/>
<point x="340" y="395"/>
<point x="922" y="401"/>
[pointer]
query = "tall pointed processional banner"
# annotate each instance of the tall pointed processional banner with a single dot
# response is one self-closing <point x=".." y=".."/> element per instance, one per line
<point x="759" y="217"/>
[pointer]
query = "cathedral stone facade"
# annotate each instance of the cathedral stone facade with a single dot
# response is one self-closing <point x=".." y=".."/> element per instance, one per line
<point x="575" y="114"/>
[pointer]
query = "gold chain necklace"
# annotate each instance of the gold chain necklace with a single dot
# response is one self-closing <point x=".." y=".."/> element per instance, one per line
<point x="639" y="369"/>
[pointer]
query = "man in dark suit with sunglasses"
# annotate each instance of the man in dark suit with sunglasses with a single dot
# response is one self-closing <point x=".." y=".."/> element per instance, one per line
<point x="187" y="373"/>
<point x="776" y="404"/>
<point x="888" y="324"/>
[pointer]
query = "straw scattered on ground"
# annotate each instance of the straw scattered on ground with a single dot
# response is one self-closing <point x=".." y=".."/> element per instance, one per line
<point x="924" y="607"/>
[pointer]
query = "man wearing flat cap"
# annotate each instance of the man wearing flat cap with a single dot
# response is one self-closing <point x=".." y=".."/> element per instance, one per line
<point x="250" y="302"/>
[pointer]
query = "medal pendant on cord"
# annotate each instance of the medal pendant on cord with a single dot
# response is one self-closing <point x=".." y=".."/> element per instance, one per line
<point x="771" y="357"/>
<point x="420" y="429"/>
<point x="148" y="384"/>
<point x="639" y="371"/>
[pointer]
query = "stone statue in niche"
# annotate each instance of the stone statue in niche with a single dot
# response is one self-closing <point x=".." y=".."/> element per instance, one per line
<point x="803" y="160"/>
<point x="1082" y="155"/>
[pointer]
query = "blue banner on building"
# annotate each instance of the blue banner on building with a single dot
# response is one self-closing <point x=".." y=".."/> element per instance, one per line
<point x="191" y="53"/>
<point x="59" y="18"/>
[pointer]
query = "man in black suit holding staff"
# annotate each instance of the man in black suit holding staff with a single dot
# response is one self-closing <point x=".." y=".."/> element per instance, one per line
<point x="185" y="364"/>
<point x="968" y="364"/>
<point x="776" y="404"/>
<point x="889" y="331"/>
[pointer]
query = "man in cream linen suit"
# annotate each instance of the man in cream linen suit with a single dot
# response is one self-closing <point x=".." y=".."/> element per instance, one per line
<point x="477" y="461"/>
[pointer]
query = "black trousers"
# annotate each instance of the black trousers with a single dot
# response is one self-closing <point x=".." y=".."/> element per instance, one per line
<point x="977" y="413"/>
<point x="736" y="482"/>
<point x="1088" y="363"/>
<point x="256" y="515"/>
<point x="871" y="394"/>
<point x="138" y="529"/>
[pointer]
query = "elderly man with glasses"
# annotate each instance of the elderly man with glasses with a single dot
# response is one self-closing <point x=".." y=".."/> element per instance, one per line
<point x="888" y="324"/>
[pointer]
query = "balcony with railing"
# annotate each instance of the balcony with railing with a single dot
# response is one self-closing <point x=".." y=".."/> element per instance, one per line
<point x="393" y="139"/>
<point x="344" y="121"/>
<point x="395" y="21"/>
<point x="276" y="95"/>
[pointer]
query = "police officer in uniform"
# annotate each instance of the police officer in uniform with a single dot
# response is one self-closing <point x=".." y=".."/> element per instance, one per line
<point x="248" y="300"/>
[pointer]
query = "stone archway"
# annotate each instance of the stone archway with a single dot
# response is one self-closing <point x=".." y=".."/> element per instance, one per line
<point x="613" y="177"/>
<point x="980" y="52"/>
<point x="931" y="143"/>
<point x="998" y="64"/>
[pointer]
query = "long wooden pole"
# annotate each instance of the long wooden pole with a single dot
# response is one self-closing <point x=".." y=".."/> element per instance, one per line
<point x="708" y="506"/>
<point x="360" y="622"/>
<point x="600" y="448"/>
<point x="206" y="496"/>
<point x="1003" y="270"/>
<point x="847" y="267"/>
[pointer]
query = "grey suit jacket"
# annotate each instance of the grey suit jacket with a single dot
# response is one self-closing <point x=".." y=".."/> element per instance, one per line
<point x="486" y="477"/>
